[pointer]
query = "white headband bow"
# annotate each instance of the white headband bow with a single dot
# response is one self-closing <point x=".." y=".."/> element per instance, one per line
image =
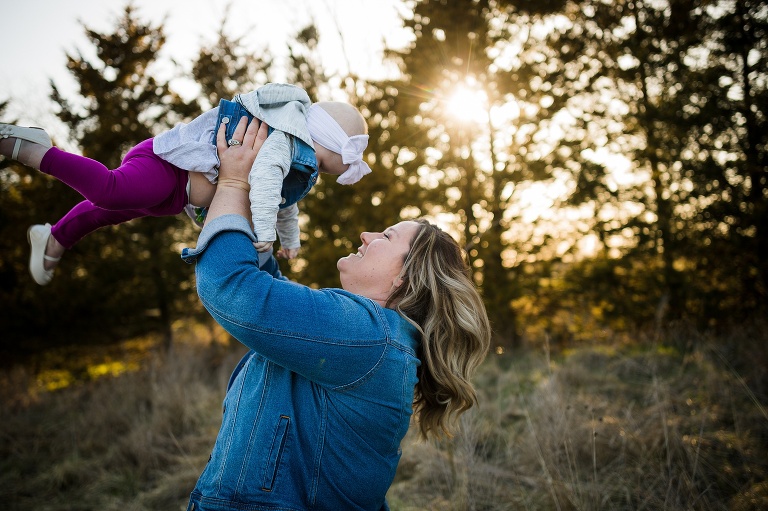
<point x="326" y="131"/>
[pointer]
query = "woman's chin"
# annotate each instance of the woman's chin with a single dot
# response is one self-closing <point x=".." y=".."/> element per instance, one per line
<point x="348" y="257"/>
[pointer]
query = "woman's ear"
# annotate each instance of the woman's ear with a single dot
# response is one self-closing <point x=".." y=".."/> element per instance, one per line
<point x="397" y="282"/>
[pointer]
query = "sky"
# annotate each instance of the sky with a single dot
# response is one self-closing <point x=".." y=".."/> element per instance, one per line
<point x="36" y="36"/>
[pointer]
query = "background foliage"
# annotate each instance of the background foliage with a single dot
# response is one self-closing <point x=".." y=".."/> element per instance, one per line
<point x="607" y="180"/>
<point x="611" y="174"/>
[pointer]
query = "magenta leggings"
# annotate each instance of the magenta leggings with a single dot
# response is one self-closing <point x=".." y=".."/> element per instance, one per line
<point x="143" y="185"/>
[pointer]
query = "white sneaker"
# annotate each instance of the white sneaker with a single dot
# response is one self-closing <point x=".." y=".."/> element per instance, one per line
<point x="38" y="235"/>
<point x="35" y="135"/>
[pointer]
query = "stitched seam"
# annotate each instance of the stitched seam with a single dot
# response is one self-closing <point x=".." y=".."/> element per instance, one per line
<point x="320" y="447"/>
<point x="257" y="420"/>
<point x="232" y="422"/>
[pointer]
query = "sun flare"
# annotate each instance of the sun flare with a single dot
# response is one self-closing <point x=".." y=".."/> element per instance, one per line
<point x="468" y="103"/>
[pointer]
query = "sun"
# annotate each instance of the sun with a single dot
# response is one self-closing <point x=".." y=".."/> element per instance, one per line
<point x="468" y="103"/>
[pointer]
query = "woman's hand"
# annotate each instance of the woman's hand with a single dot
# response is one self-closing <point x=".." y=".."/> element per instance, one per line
<point x="236" y="160"/>
<point x="231" y="195"/>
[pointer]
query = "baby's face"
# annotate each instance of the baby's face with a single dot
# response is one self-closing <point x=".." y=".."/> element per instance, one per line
<point x="329" y="162"/>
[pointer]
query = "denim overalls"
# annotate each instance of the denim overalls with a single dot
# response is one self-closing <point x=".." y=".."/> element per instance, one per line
<point x="303" y="174"/>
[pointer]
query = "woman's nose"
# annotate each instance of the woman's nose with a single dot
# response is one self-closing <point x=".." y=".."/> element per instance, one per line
<point x="370" y="237"/>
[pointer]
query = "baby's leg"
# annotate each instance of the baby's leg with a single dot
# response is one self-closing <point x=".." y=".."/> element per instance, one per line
<point x="81" y="220"/>
<point x="142" y="181"/>
<point x="144" y="185"/>
<point x="200" y="190"/>
<point x="85" y="218"/>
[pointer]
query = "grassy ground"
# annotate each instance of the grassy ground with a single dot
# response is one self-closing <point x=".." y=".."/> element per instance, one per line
<point x="678" y="423"/>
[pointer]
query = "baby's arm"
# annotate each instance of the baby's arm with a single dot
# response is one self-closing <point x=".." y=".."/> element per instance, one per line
<point x="266" y="180"/>
<point x="288" y="232"/>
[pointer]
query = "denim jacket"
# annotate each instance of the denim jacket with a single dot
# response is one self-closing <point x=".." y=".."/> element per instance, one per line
<point x="314" y="414"/>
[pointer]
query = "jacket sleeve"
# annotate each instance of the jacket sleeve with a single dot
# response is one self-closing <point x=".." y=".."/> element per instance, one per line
<point x="288" y="226"/>
<point x="329" y="336"/>
<point x="266" y="180"/>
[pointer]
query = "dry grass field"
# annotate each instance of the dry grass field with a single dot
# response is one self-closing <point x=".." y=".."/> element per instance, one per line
<point x="676" y="423"/>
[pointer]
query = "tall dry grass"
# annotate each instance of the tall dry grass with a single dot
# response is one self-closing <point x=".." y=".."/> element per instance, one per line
<point x="134" y="441"/>
<point x="677" y="423"/>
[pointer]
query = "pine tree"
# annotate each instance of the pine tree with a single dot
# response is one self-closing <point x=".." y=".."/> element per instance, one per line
<point x="645" y="80"/>
<point x="129" y="276"/>
<point x="226" y="67"/>
<point x="333" y="215"/>
<point x="26" y="196"/>
<point x="726" y="160"/>
<point x="472" y="167"/>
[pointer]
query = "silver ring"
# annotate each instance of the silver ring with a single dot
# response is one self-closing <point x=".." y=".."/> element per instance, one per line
<point x="232" y="142"/>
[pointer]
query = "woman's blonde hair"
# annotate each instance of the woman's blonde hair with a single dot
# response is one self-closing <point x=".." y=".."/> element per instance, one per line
<point x="438" y="296"/>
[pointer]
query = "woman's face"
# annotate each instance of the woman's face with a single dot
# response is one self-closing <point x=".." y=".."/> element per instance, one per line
<point x="374" y="271"/>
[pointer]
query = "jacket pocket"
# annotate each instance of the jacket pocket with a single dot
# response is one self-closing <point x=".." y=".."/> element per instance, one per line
<point x="275" y="453"/>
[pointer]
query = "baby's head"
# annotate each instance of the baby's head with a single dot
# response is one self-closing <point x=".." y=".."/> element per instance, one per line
<point x="340" y="135"/>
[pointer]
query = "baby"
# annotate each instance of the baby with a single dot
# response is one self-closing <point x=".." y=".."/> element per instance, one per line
<point x="178" y="169"/>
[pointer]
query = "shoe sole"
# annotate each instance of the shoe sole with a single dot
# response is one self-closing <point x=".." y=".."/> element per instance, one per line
<point x="47" y="274"/>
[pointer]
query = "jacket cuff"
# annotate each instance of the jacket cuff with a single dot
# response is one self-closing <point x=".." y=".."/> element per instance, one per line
<point x="220" y="224"/>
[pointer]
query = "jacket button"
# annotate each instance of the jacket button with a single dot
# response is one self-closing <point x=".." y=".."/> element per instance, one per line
<point x="282" y="201"/>
<point x="225" y="120"/>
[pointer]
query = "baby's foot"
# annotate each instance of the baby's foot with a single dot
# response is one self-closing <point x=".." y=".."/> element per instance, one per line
<point x="53" y="252"/>
<point x="42" y="263"/>
<point x="25" y="145"/>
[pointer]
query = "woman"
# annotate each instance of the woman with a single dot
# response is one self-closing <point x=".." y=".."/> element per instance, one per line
<point x="315" y="412"/>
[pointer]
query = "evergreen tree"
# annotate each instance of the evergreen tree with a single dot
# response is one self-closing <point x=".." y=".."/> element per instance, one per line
<point x="129" y="276"/>
<point x="333" y="215"/>
<point x="646" y="80"/>
<point x="475" y="164"/>
<point x="726" y="160"/>
<point x="305" y="67"/>
<point x="25" y="195"/>
<point x="225" y="68"/>
<point x="322" y="206"/>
